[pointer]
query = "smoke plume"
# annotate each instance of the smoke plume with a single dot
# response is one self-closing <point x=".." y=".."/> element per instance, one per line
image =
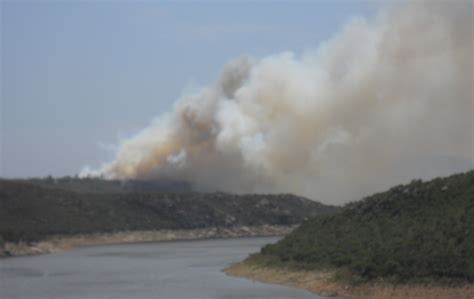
<point x="384" y="101"/>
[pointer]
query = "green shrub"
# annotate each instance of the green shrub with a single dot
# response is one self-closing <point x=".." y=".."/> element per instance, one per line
<point x="418" y="231"/>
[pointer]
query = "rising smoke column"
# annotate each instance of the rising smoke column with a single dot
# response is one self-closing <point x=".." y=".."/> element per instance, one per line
<point x="382" y="102"/>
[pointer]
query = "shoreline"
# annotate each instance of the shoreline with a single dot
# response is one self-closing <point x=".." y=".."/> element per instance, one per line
<point x="323" y="284"/>
<point x="61" y="243"/>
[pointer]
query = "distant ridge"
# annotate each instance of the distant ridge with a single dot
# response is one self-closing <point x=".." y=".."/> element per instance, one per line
<point x="35" y="211"/>
<point x="98" y="185"/>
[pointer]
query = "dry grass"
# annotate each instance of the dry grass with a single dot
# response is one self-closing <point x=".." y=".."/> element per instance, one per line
<point x="324" y="284"/>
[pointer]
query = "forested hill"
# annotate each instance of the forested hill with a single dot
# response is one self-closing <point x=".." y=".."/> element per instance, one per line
<point x="97" y="185"/>
<point x="418" y="231"/>
<point x="31" y="212"/>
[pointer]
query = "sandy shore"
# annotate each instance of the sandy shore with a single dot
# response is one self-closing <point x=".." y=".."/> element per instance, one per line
<point x="324" y="284"/>
<point x="61" y="243"/>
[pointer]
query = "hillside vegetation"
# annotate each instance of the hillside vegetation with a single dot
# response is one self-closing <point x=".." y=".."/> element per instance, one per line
<point x="31" y="212"/>
<point x="421" y="231"/>
<point x="97" y="185"/>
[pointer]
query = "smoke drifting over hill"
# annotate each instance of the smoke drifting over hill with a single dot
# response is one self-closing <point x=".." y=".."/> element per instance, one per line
<point x="382" y="102"/>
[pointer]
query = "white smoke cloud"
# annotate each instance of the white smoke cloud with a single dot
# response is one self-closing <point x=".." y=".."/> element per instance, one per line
<point x="382" y="102"/>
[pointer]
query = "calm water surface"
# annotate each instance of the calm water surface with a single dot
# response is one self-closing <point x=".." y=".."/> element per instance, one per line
<point x="162" y="270"/>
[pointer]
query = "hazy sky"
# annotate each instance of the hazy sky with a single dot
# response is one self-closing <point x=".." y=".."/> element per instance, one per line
<point x="77" y="76"/>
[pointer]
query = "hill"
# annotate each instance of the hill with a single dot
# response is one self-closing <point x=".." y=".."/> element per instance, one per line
<point x="32" y="212"/>
<point x="97" y="185"/>
<point x="418" y="232"/>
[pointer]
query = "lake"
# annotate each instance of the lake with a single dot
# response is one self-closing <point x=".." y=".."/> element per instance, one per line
<point x="161" y="270"/>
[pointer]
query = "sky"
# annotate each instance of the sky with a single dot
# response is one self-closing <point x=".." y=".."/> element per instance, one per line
<point x="76" y="77"/>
